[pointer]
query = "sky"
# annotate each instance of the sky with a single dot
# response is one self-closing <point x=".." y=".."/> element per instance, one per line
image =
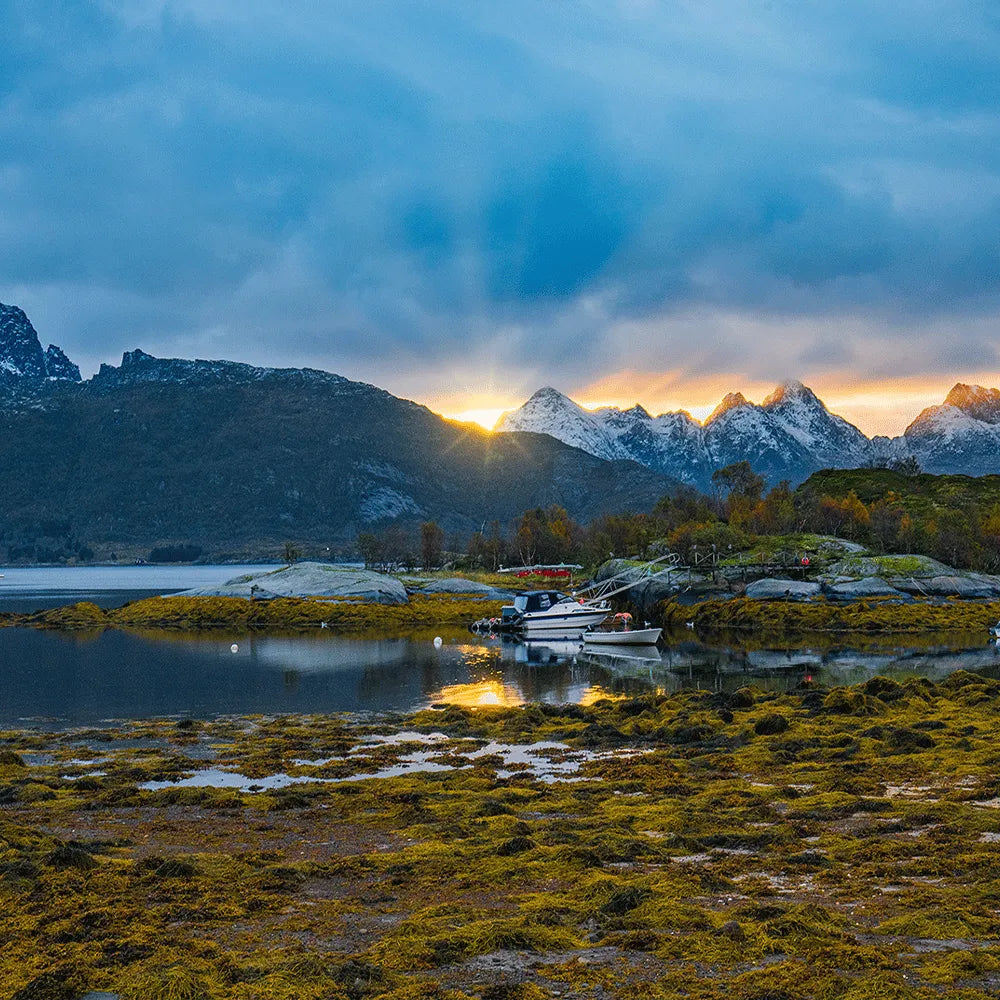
<point x="626" y="199"/>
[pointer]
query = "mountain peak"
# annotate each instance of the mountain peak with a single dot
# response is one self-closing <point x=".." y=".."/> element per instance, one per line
<point x="21" y="354"/>
<point x="136" y="357"/>
<point x="791" y="392"/>
<point x="731" y="401"/>
<point x="638" y="410"/>
<point x="549" y="395"/>
<point x="982" y="404"/>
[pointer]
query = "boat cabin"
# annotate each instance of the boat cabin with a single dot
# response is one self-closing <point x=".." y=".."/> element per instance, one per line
<point x="538" y="600"/>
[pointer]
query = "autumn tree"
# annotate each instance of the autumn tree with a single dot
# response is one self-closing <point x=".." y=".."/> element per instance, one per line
<point x="431" y="544"/>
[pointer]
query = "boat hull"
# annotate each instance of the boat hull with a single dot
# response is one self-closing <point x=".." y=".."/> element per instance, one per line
<point x="566" y="621"/>
<point x="633" y="637"/>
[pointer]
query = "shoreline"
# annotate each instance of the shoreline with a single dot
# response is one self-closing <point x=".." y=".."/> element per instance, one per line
<point x="869" y="616"/>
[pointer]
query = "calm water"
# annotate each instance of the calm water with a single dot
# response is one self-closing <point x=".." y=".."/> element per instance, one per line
<point x="31" y="588"/>
<point x="70" y="679"/>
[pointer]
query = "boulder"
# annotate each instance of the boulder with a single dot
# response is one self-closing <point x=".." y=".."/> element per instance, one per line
<point x="457" y="585"/>
<point x="972" y="585"/>
<point x="311" y="579"/>
<point x="885" y="566"/>
<point x="869" y="586"/>
<point x="777" y="590"/>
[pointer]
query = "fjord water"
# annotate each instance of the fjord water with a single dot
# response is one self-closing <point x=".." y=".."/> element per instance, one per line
<point x="75" y="678"/>
<point x="67" y="679"/>
<point x="33" y="588"/>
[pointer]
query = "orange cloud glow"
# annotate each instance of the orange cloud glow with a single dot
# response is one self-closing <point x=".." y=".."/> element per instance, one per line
<point x="876" y="406"/>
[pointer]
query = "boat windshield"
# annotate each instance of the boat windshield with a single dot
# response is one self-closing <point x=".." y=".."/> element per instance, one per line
<point x="538" y="600"/>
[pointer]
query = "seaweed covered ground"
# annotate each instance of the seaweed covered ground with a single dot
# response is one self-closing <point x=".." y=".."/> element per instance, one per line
<point x="283" y="612"/>
<point x="831" y="844"/>
<point x="872" y="615"/>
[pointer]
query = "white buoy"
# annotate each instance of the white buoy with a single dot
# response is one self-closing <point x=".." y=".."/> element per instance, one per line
<point x="437" y="642"/>
<point x="234" y="648"/>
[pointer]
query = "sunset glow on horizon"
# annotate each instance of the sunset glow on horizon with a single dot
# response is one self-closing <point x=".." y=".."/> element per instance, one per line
<point x="879" y="406"/>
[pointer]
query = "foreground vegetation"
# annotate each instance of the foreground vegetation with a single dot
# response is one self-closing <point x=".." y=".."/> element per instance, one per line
<point x="836" y="844"/>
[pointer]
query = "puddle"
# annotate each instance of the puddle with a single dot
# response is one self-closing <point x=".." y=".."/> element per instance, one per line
<point x="534" y="759"/>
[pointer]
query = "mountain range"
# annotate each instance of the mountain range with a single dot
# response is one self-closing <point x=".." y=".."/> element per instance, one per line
<point x="229" y="457"/>
<point x="218" y="453"/>
<point x="789" y="436"/>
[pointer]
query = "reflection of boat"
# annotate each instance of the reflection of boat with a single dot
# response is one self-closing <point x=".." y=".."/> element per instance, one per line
<point x="621" y="633"/>
<point x="546" y="651"/>
<point x="612" y="655"/>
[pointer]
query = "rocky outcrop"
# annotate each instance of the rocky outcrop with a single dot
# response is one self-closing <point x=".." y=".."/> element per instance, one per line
<point x="457" y="585"/>
<point x="790" y="590"/>
<point x="971" y="586"/>
<point x="311" y="579"/>
<point x="22" y="359"/>
<point x="868" y="586"/>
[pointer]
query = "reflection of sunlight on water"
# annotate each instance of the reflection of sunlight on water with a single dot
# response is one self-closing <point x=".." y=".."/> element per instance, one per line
<point x="478" y="655"/>
<point x="596" y="693"/>
<point x="482" y="694"/>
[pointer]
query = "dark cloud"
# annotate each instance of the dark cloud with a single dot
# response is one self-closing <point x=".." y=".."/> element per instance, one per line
<point x="372" y="188"/>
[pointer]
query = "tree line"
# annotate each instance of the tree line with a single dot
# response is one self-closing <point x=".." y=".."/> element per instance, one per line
<point x="889" y="511"/>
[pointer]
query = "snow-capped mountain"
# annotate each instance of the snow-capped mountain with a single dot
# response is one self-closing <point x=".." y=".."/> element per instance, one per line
<point x="961" y="435"/>
<point x="550" y="412"/>
<point x="21" y="356"/>
<point x="788" y="436"/>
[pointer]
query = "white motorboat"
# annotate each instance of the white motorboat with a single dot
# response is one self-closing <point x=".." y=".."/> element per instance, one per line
<point x="621" y="633"/>
<point x="553" y="613"/>
<point x="632" y="637"/>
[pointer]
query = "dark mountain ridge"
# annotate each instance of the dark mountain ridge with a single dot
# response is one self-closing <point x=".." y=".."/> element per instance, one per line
<point x="227" y="455"/>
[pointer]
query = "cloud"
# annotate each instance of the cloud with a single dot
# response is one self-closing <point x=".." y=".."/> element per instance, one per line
<point x="507" y="195"/>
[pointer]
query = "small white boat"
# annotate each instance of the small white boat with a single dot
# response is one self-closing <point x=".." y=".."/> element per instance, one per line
<point x="621" y="633"/>
<point x="633" y="637"/>
<point x="995" y="630"/>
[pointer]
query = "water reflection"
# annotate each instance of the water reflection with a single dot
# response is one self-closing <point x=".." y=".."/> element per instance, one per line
<point x="112" y="674"/>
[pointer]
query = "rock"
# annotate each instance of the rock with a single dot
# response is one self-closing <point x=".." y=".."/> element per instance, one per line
<point x="311" y="579"/>
<point x="869" y="586"/>
<point x="457" y="585"/>
<point x="743" y="698"/>
<point x="972" y="586"/>
<point x="516" y="845"/>
<point x="770" y="725"/>
<point x="887" y="566"/>
<point x="731" y="930"/>
<point x="776" y="590"/>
